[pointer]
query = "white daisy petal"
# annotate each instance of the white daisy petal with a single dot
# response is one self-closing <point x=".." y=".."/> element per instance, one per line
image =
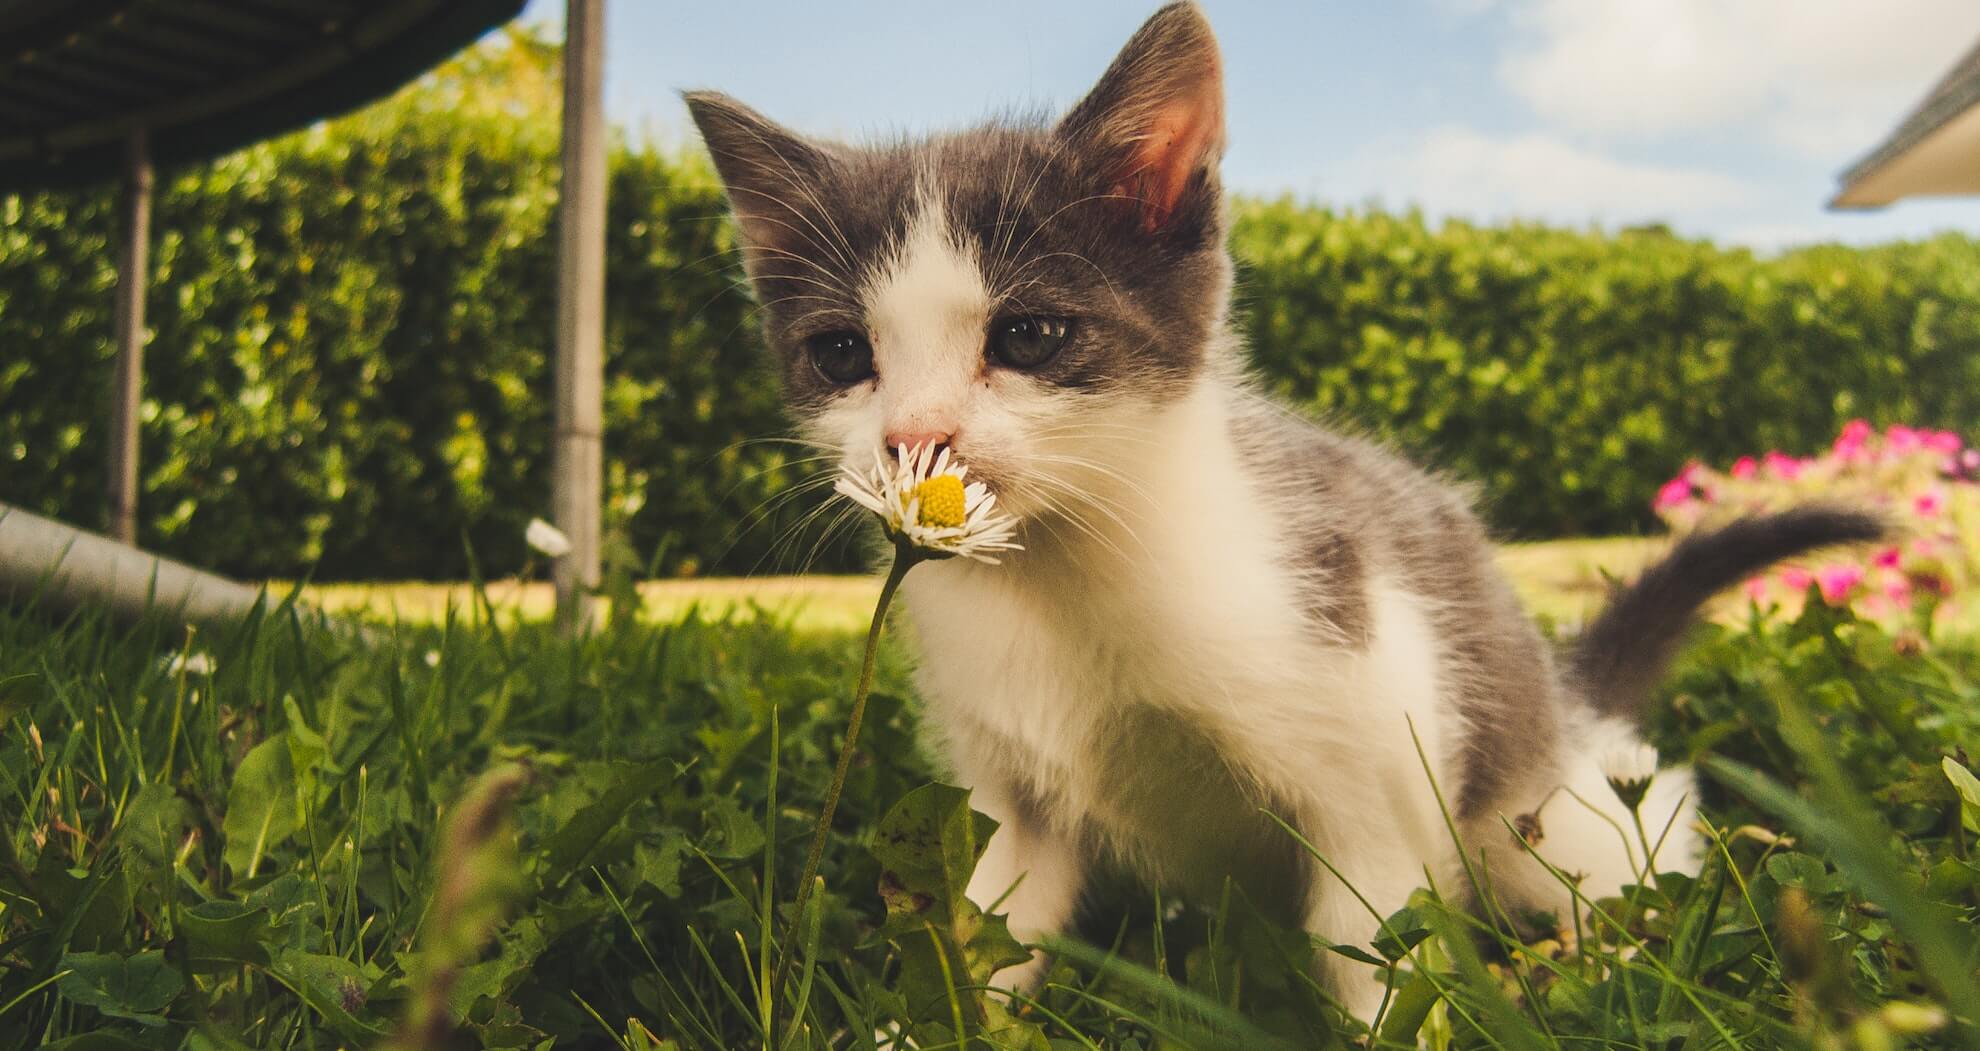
<point x="893" y="491"/>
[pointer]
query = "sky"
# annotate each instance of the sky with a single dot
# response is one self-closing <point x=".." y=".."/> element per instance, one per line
<point x="1727" y="119"/>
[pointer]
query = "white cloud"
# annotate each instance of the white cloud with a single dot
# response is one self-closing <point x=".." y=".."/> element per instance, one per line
<point x="1826" y="78"/>
<point x="1458" y="171"/>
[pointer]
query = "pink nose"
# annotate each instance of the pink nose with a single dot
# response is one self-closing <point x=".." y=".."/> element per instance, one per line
<point x="935" y="440"/>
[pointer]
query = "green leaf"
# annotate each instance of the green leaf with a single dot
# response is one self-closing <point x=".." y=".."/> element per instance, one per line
<point x="1401" y="932"/>
<point x="571" y="847"/>
<point x="1968" y="788"/>
<point x="659" y="866"/>
<point x="135" y="987"/>
<point x="732" y="831"/>
<point x="928" y="845"/>
<point x="228" y="932"/>
<point x="154" y="823"/>
<point x="96" y="1042"/>
<point x="261" y="805"/>
<point x="1800" y="870"/>
<point x="309" y="752"/>
<point x="1357" y="954"/>
<point x="931" y="840"/>
<point x="1409" y="1010"/>
<point x="335" y="987"/>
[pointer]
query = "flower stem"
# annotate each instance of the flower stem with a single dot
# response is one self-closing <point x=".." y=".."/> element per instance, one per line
<point x="904" y="559"/>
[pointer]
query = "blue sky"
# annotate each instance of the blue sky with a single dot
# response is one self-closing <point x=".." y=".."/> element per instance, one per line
<point x="1725" y="118"/>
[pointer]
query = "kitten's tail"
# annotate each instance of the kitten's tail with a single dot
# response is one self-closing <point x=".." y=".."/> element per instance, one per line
<point x="1621" y="655"/>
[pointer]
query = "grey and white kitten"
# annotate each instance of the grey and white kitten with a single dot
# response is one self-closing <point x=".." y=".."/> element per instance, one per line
<point x="1221" y="610"/>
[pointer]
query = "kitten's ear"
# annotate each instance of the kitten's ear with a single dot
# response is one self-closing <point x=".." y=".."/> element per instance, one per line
<point x="765" y="167"/>
<point x="1157" y="115"/>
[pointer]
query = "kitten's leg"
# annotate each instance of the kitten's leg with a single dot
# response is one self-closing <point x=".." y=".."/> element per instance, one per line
<point x="1585" y="832"/>
<point x="1031" y="873"/>
<point x="1382" y="877"/>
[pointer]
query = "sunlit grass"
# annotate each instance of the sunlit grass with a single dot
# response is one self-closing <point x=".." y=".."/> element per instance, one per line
<point x="1559" y="580"/>
<point x="245" y="849"/>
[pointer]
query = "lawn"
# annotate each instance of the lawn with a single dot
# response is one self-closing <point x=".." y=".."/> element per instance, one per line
<point x="285" y="836"/>
<point x="1561" y="581"/>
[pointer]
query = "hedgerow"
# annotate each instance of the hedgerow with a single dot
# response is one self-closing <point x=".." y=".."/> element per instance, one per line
<point x="347" y="373"/>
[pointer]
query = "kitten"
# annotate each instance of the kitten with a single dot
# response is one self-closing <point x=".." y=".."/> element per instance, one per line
<point x="1221" y="610"/>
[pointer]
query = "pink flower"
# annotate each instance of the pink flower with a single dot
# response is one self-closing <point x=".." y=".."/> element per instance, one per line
<point x="1947" y="442"/>
<point x="1898" y="589"/>
<point x="1837" y="580"/>
<point x="1902" y="439"/>
<point x="1675" y="493"/>
<point x="1970" y="459"/>
<point x="1756" y="588"/>
<point x="1929" y="503"/>
<point x="1849" y="444"/>
<point x="1796" y="578"/>
<point x="1889" y="557"/>
<point x="1745" y="467"/>
<point x="1782" y="466"/>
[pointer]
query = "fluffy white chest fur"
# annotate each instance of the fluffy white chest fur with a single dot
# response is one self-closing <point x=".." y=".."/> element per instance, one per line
<point x="1146" y="686"/>
<point x="1178" y="616"/>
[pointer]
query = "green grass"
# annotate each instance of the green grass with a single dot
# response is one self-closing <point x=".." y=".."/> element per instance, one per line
<point x="466" y="819"/>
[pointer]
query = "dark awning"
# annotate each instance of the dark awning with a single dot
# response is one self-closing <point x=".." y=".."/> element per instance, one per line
<point x="1934" y="152"/>
<point x="203" y="77"/>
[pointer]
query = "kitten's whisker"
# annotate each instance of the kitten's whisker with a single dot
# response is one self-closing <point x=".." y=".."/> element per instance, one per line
<point x="789" y="177"/>
<point x="827" y="535"/>
<point x="793" y="180"/>
<point x="1043" y="489"/>
<point x="1093" y="535"/>
<point x="758" y="215"/>
<point x="1030" y="190"/>
<point x="1035" y="260"/>
<point x="1061" y="210"/>
<point x="763" y="513"/>
<point x="1112" y="474"/>
<point x="1085" y="498"/>
<point x="770" y="504"/>
<point x="791" y="535"/>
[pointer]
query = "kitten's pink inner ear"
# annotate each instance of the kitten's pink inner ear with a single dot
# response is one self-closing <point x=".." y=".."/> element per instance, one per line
<point x="1183" y="137"/>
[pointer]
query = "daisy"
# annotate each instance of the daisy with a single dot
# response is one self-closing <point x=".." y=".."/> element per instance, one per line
<point x="188" y="664"/>
<point x="547" y="538"/>
<point x="1629" y="771"/>
<point x="924" y="504"/>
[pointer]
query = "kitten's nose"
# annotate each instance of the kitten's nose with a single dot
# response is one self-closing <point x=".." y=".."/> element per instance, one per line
<point x="935" y="440"/>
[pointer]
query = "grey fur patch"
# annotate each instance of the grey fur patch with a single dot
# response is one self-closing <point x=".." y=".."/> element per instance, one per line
<point x="1369" y="512"/>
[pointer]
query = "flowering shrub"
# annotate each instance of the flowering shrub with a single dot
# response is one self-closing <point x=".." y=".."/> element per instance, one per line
<point x="1927" y="482"/>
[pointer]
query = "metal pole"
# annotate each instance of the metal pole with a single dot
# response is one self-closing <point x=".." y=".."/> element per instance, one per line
<point x="578" y="453"/>
<point x="66" y="567"/>
<point x="127" y="388"/>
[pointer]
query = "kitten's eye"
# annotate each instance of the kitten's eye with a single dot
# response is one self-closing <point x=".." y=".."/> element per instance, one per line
<point x="1027" y="342"/>
<point x="842" y="357"/>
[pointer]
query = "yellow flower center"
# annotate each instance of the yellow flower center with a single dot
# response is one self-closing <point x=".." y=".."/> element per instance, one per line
<point x="941" y="502"/>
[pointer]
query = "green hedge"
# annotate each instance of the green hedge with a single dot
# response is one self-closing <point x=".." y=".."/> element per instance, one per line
<point x="347" y="372"/>
<point x="1569" y="374"/>
<point x="348" y="368"/>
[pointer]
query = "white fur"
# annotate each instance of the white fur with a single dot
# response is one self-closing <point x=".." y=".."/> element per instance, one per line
<point x="1587" y="833"/>
<point x="1142" y="680"/>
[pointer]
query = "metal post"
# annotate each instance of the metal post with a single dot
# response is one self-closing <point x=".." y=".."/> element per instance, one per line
<point x="578" y="453"/>
<point x="133" y="272"/>
<point x="43" y="560"/>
